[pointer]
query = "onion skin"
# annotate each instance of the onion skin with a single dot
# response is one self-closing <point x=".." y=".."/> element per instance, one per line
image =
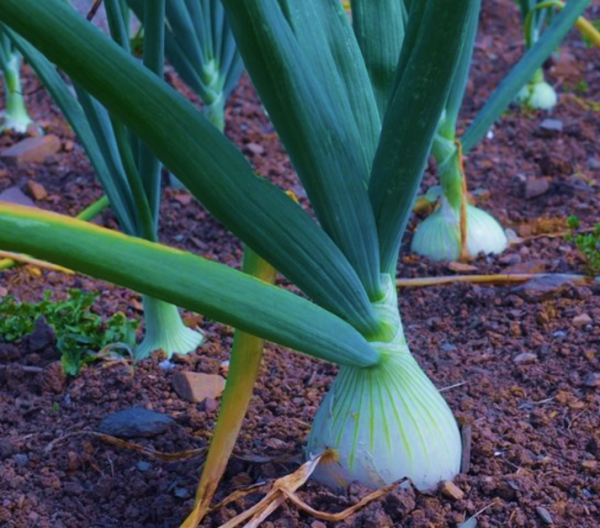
<point x="438" y="236"/>
<point x="538" y="95"/>
<point x="386" y="422"/>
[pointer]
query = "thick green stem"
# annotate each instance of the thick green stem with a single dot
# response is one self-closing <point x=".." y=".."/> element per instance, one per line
<point x="215" y="113"/>
<point x="15" y="114"/>
<point x="153" y="58"/>
<point x="445" y="152"/>
<point x="388" y="421"/>
<point x="164" y="330"/>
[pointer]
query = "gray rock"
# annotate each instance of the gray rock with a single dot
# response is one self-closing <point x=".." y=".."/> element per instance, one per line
<point x="448" y="347"/>
<point x="21" y="460"/>
<point x="551" y="125"/>
<point x="7" y="448"/>
<point x="16" y="196"/>
<point x="135" y="421"/>
<point x="510" y="260"/>
<point x="544" y="514"/>
<point x="525" y="358"/>
<point x="592" y="379"/>
<point x="536" y="187"/>
<point x="142" y="465"/>
<point x="593" y="163"/>
<point x="42" y="337"/>
<point x="544" y="284"/>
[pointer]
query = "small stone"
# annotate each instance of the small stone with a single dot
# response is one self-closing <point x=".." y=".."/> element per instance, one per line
<point x="578" y="184"/>
<point x="36" y="190"/>
<point x="542" y="318"/>
<point x="452" y="491"/>
<point x="166" y="365"/>
<point x="7" y="448"/>
<point x="590" y="466"/>
<point x="182" y="493"/>
<point x="211" y="405"/>
<point x="275" y="443"/>
<point x="142" y="465"/>
<point x="536" y="187"/>
<point x="224" y="367"/>
<point x="183" y="198"/>
<point x="525" y="358"/>
<point x="448" y="347"/>
<point x="593" y="163"/>
<point x="42" y="336"/>
<point x="21" y="460"/>
<point x="104" y="486"/>
<point x="73" y="461"/>
<point x="254" y="149"/>
<point x="581" y="320"/>
<point x="510" y="260"/>
<point x="317" y="524"/>
<point x="31" y="150"/>
<point x="482" y="194"/>
<point x="545" y="284"/>
<point x="592" y="380"/>
<point x="16" y="196"/>
<point x="461" y="267"/>
<point x="68" y="145"/>
<point x="544" y="515"/>
<point x="135" y="421"/>
<point x="197" y="386"/>
<point x="551" y="125"/>
<point x="52" y="378"/>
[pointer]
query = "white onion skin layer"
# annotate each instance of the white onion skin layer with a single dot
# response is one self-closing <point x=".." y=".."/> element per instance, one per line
<point x="438" y="236"/>
<point x="386" y="422"/>
<point x="165" y="330"/>
<point x="538" y="95"/>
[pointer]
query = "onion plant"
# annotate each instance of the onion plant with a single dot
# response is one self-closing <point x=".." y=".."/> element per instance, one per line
<point x="127" y="171"/>
<point x="358" y="140"/>
<point x="457" y="229"/>
<point x="14" y="116"/>
<point x="535" y="14"/>
<point x="200" y="45"/>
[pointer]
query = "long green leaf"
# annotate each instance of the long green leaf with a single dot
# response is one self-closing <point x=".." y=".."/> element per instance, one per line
<point x="379" y="28"/>
<point x="522" y="72"/>
<point x="323" y="145"/>
<point x="412" y="118"/>
<point x="114" y="186"/>
<point x="216" y="172"/>
<point x="153" y="58"/>
<point x="324" y="34"/>
<point x="461" y="76"/>
<point x="200" y="285"/>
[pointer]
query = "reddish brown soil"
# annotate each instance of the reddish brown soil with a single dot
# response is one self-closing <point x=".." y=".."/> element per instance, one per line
<point x="536" y="425"/>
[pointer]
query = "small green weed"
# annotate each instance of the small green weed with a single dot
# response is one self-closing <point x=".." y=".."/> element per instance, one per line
<point x="580" y="88"/>
<point x="587" y="242"/>
<point x="80" y="333"/>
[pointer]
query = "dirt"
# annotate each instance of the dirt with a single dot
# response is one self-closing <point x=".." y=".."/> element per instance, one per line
<point x="519" y="366"/>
